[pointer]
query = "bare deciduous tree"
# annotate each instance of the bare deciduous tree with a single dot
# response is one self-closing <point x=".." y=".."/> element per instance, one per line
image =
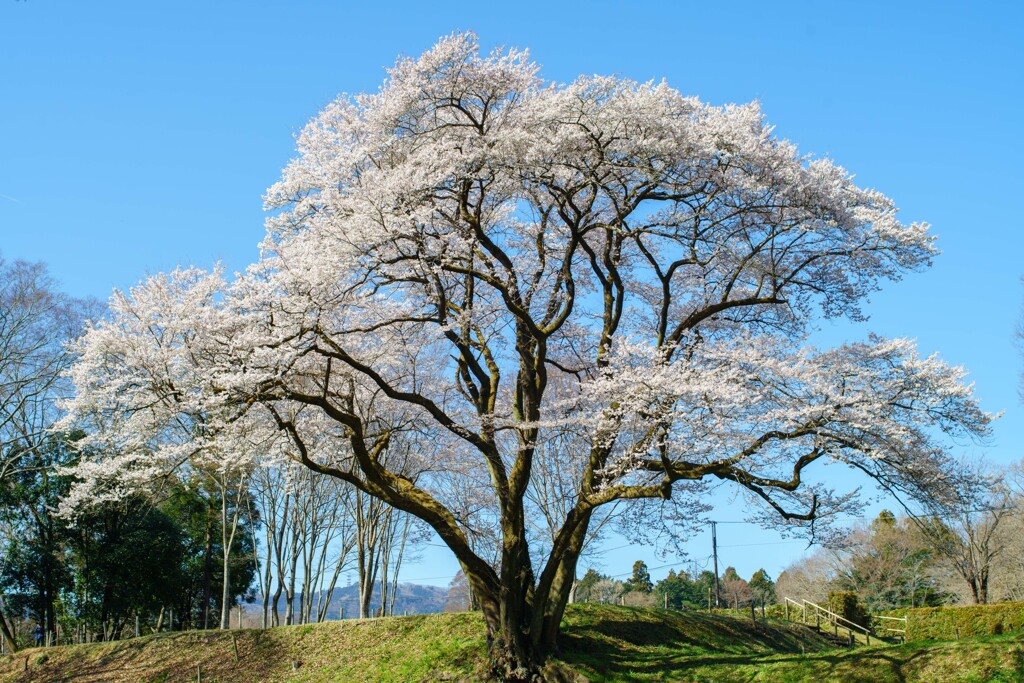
<point x="968" y="537"/>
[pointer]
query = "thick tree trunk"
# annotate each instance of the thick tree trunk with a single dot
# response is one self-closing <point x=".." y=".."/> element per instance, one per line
<point x="513" y="656"/>
<point x="562" y="587"/>
<point x="523" y="620"/>
<point x="517" y="654"/>
<point x="511" y="650"/>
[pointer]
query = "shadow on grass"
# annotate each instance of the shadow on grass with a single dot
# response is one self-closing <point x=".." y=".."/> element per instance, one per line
<point x="156" y="658"/>
<point x="626" y="645"/>
<point x="731" y="667"/>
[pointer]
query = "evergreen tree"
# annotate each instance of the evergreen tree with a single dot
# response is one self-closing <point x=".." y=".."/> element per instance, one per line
<point x="35" y="571"/>
<point x="198" y="510"/>
<point x="585" y="587"/>
<point x="127" y="558"/>
<point x="763" y="587"/>
<point x="891" y="564"/>
<point x="640" y="581"/>
<point x="730" y="575"/>
<point x="675" y="590"/>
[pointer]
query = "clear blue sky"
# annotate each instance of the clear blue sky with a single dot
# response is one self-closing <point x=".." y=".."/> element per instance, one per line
<point x="135" y="136"/>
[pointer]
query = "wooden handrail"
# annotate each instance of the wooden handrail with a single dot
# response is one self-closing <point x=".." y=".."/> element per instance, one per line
<point x="846" y="623"/>
<point x="887" y="628"/>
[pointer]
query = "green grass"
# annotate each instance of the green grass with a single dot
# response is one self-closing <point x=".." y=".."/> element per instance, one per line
<point x="398" y="650"/>
<point x="606" y="643"/>
<point x="600" y="644"/>
<point x="998" y="659"/>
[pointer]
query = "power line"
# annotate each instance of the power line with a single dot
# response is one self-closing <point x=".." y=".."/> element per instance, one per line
<point x="747" y="545"/>
<point x="662" y="566"/>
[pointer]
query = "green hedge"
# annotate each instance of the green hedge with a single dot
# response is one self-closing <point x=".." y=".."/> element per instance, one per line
<point x="948" y="623"/>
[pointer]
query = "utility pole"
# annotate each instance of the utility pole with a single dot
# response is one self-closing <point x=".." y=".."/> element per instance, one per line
<point x="714" y="554"/>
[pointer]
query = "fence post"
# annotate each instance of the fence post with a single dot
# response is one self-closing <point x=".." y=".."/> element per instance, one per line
<point x="136" y="625"/>
<point x="787" y="610"/>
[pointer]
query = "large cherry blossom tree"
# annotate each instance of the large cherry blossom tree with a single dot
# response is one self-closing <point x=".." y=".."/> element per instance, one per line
<point x="498" y="269"/>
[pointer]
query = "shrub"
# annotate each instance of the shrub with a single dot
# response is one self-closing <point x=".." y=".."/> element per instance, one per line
<point x="847" y="605"/>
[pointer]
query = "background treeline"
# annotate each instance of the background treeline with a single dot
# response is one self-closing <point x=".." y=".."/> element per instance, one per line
<point x="90" y="577"/>
<point x="973" y="556"/>
<point x="178" y="554"/>
<point x="970" y="556"/>
<point x="147" y="557"/>
<point x="182" y="557"/>
<point x="693" y="589"/>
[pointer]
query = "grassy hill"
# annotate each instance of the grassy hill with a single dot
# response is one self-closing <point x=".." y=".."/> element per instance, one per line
<point x="601" y="644"/>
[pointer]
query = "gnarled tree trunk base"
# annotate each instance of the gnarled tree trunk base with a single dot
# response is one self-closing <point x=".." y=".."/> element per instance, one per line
<point x="506" y="668"/>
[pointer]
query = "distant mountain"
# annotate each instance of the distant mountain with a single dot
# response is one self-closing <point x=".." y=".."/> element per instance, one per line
<point x="410" y="598"/>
